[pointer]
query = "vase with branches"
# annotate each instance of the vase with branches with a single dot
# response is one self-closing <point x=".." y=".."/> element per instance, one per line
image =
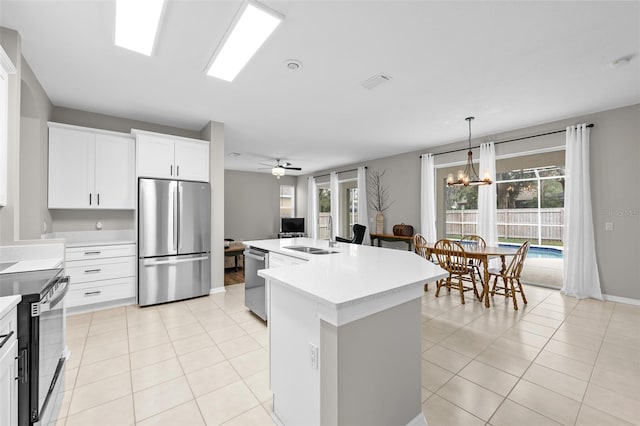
<point x="378" y="195"/>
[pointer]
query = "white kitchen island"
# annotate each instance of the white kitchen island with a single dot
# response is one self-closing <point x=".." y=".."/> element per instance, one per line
<point x="345" y="334"/>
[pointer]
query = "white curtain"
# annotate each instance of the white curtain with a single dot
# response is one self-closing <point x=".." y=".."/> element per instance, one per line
<point x="312" y="208"/>
<point x="428" y="198"/>
<point x="487" y="196"/>
<point x="581" y="279"/>
<point x="335" y="204"/>
<point x="363" y="206"/>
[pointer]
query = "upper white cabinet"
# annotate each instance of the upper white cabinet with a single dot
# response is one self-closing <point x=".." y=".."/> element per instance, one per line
<point x="171" y="157"/>
<point x="90" y="169"/>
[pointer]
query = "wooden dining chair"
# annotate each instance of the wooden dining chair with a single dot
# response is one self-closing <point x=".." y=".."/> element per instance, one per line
<point x="510" y="275"/>
<point x="477" y="241"/>
<point x="420" y="248"/>
<point x="452" y="258"/>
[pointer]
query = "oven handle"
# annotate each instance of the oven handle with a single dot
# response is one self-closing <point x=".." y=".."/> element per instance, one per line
<point x="57" y="297"/>
<point x="22" y="367"/>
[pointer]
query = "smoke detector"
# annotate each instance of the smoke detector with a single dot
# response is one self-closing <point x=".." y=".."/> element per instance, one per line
<point x="293" y="64"/>
<point x="376" y="80"/>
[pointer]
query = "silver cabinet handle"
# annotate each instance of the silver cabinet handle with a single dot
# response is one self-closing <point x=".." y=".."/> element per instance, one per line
<point x="89" y="198"/>
<point x="91" y="253"/>
<point x="177" y="170"/>
<point x="92" y="271"/>
<point x="171" y="170"/>
<point x="98" y="196"/>
<point x="93" y="293"/>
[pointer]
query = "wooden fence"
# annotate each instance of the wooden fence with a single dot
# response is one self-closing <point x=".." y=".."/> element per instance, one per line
<point x="512" y="223"/>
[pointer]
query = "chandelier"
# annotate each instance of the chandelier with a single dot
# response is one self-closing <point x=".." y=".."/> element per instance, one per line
<point x="278" y="171"/>
<point x="469" y="176"/>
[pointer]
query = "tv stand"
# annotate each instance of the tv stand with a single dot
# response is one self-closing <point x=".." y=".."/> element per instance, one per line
<point x="292" y="234"/>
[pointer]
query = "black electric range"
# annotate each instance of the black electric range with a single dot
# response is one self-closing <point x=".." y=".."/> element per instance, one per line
<point x="41" y="345"/>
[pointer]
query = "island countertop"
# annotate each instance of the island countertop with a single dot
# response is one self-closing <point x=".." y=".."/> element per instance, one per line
<point x="355" y="274"/>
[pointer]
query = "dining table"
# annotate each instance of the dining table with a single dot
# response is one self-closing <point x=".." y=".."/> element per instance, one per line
<point x="483" y="254"/>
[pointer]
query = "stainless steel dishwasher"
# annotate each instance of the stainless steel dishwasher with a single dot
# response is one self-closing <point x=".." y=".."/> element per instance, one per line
<point x="254" y="286"/>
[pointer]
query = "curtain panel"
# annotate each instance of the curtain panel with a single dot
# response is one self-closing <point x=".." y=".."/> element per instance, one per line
<point x="334" y="183"/>
<point x="581" y="278"/>
<point x="428" y="197"/>
<point x="487" y="196"/>
<point x="312" y="208"/>
<point x="363" y="206"/>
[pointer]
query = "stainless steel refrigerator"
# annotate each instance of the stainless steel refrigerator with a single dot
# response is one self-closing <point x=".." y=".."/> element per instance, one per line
<point x="174" y="240"/>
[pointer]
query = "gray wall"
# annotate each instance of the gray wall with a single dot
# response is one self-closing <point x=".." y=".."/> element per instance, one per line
<point x="615" y="154"/>
<point x="35" y="111"/>
<point x="252" y="204"/>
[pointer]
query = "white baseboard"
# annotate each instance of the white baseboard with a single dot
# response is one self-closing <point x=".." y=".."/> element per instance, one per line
<point x="619" y="299"/>
<point x="217" y="290"/>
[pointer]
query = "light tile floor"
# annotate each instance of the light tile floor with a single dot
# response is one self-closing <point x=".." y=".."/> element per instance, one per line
<point x="204" y="361"/>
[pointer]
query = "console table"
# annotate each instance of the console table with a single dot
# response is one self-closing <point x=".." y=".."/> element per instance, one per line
<point x="391" y="238"/>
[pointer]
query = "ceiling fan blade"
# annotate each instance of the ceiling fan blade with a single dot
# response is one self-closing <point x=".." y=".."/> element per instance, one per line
<point x="268" y="164"/>
<point x="292" y="168"/>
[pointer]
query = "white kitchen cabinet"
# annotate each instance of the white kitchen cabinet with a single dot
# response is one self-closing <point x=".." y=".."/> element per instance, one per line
<point x="90" y="169"/>
<point x="100" y="274"/>
<point x="8" y="369"/>
<point x="171" y="157"/>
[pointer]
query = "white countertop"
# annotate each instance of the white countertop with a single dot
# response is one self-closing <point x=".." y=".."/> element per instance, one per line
<point x="356" y="274"/>
<point x="33" y="265"/>
<point x="7" y="303"/>
<point x="94" y="238"/>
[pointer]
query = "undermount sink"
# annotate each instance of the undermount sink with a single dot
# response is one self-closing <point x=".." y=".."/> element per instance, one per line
<point x="310" y="250"/>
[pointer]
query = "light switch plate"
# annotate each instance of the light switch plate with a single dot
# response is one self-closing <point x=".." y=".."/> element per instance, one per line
<point x="313" y="352"/>
<point x="608" y="226"/>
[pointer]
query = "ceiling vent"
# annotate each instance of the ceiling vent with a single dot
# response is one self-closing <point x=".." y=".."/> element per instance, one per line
<point x="375" y="81"/>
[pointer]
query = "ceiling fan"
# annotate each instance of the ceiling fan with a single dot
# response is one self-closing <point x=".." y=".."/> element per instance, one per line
<point x="279" y="168"/>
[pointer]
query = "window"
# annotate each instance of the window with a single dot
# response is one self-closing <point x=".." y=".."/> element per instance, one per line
<point x="287" y="201"/>
<point x="531" y="205"/>
<point x="530" y="201"/>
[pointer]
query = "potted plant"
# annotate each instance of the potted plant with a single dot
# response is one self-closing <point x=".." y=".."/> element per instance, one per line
<point x="378" y="195"/>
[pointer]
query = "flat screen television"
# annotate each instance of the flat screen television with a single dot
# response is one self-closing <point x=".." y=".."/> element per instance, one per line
<point x="292" y="224"/>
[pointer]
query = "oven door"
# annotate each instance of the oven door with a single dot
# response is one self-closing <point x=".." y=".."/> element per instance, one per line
<point x="51" y="345"/>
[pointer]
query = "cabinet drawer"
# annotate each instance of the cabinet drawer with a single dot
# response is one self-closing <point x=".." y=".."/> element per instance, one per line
<point x="100" y="291"/>
<point x="100" y="269"/>
<point x="100" y="252"/>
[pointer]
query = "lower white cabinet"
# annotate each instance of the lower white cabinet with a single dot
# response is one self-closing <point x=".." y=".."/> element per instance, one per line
<point x="100" y="274"/>
<point x="9" y="369"/>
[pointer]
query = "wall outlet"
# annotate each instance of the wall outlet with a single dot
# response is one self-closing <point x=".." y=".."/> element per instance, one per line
<point x="44" y="227"/>
<point x="99" y="225"/>
<point x="608" y="226"/>
<point x="313" y="352"/>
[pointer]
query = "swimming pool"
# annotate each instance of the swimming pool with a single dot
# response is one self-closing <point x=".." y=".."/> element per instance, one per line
<point x="540" y="252"/>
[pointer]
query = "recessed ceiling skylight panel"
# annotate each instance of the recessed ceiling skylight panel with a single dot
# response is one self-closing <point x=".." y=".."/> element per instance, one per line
<point x="250" y="30"/>
<point x="137" y="24"/>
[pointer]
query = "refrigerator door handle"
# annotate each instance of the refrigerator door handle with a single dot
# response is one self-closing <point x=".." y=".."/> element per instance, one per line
<point x="180" y="212"/>
<point x="151" y="262"/>
<point x="175" y="218"/>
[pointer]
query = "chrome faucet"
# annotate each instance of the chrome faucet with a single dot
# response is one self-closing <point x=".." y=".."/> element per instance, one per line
<point x="332" y="241"/>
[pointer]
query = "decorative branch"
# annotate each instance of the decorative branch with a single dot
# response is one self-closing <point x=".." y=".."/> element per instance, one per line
<point x="377" y="192"/>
